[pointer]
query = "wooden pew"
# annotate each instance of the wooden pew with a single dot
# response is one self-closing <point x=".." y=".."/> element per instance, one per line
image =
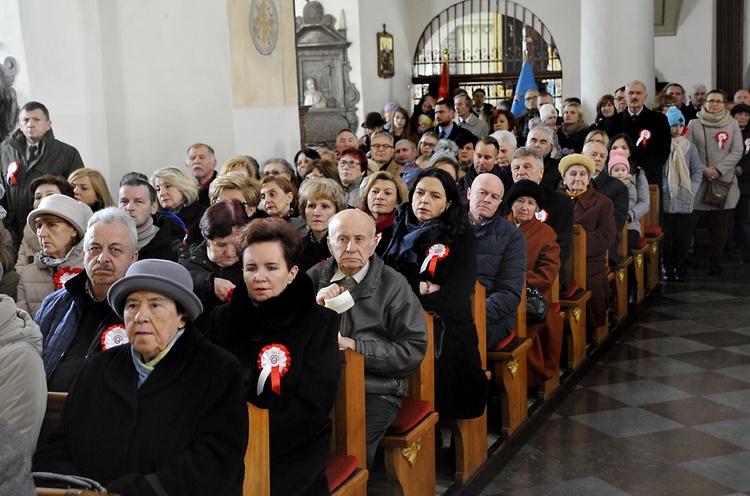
<point x="409" y="443"/>
<point x="548" y="387"/>
<point x="470" y="435"/>
<point x="46" y="491"/>
<point x="347" y="468"/>
<point x="574" y="305"/>
<point x="257" y="455"/>
<point x="510" y="368"/>
<point x="619" y="282"/>
<point x="653" y="234"/>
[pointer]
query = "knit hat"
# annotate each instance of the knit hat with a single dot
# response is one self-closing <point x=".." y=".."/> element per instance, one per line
<point x="373" y="120"/>
<point x="674" y="116"/>
<point x="525" y="187"/>
<point x="75" y="212"/>
<point x="548" y="110"/>
<point x="740" y="107"/>
<point x="576" y="159"/>
<point x="442" y="155"/>
<point x="617" y="157"/>
<point x="160" y="276"/>
<point x="391" y="107"/>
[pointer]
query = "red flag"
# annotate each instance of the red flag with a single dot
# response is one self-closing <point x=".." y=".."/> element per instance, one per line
<point x="443" y="92"/>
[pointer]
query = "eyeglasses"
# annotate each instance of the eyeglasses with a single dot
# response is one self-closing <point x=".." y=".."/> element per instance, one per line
<point x="349" y="165"/>
<point x="719" y="102"/>
<point x="380" y="147"/>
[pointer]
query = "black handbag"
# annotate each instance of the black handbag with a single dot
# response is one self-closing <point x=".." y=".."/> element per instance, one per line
<point x="536" y="307"/>
<point x="716" y="193"/>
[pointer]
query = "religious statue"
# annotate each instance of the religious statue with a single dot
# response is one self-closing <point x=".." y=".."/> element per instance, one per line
<point x="8" y="101"/>
<point x="313" y="97"/>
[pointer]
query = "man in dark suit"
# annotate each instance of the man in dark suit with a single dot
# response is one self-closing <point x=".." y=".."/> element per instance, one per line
<point x="446" y="128"/>
<point x="612" y="188"/>
<point x="648" y="129"/>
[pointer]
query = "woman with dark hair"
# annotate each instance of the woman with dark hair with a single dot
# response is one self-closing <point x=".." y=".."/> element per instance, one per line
<point x="434" y="247"/>
<point x="278" y="198"/>
<point x="352" y="166"/>
<point x="605" y="107"/>
<point x="319" y="200"/>
<point x="423" y="116"/>
<point x="214" y="265"/>
<point x="504" y="120"/>
<point x="401" y="126"/>
<point x="274" y="319"/>
<point x="302" y="158"/>
<point x="321" y="169"/>
<point x="40" y="187"/>
<point x="380" y="196"/>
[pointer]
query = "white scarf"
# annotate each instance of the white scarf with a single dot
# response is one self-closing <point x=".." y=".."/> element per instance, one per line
<point x="678" y="174"/>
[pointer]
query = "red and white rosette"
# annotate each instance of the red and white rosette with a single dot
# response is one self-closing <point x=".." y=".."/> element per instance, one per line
<point x="229" y="294"/>
<point x="644" y="136"/>
<point x="12" y="172"/>
<point x="274" y="361"/>
<point x="114" y="335"/>
<point x="64" y="275"/>
<point x="747" y="146"/>
<point x="542" y="215"/>
<point x="435" y="253"/>
<point x="722" y="137"/>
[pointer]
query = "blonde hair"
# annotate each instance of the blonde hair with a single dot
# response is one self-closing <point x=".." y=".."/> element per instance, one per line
<point x="324" y="189"/>
<point x="97" y="182"/>
<point x="402" y="194"/>
<point x="579" y="111"/>
<point x="239" y="164"/>
<point x="236" y="180"/>
<point x="179" y="178"/>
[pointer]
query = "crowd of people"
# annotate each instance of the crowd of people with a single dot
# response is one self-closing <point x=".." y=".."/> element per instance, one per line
<point x="165" y="304"/>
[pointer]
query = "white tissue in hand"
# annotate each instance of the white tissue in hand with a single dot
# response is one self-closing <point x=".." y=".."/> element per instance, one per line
<point x="341" y="303"/>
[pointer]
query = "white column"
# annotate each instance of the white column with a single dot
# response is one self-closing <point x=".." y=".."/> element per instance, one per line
<point x="617" y="46"/>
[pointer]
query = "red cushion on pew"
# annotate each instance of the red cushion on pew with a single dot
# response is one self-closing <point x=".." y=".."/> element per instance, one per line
<point x="553" y="308"/>
<point x="641" y="243"/>
<point x="505" y="341"/>
<point x="412" y="411"/>
<point x="572" y="288"/>
<point x="339" y="468"/>
<point x="652" y="232"/>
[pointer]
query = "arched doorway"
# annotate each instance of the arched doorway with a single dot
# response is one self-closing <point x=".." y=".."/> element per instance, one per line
<point x="487" y="42"/>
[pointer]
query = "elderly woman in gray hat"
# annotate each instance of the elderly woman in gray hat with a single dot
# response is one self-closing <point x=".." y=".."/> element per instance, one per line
<point x="59" y="222"/>
<point x="163" y="414"/>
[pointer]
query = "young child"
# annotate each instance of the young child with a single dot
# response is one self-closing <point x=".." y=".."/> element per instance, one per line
<point x="681" y="178"/>
<point x="619" y="168"/>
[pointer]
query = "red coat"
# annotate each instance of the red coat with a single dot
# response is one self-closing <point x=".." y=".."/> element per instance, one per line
<point x="542" y="267"/>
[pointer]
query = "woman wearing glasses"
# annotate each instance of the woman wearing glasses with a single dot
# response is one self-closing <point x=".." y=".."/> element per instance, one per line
<point x="352" y="166"/>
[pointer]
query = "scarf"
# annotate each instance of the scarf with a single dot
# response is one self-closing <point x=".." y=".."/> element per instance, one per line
<point x="146" y="236"/>
<point x="144" y="369"/>
<point x="411" y="241"/>
<point x="52" y="262"/>
<point x="719" y="119"/>
<point x="573" y="195"/>
<point x="570" y="129"/>
<point x="679" y="183"/>
<point x="382" y="224"/>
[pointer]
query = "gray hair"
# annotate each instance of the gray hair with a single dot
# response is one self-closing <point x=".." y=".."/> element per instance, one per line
<point x="283" y="162"/>
<point x="631" y="83"/>
<point x="529" y="151"/>
<point x="698" y="86"/>
<point x="411" y="144"/>
<point x="550" y="133"/>
<point x="505" y="136"/>
<point x="382" y="134"/>
<point x="112" y="215"/>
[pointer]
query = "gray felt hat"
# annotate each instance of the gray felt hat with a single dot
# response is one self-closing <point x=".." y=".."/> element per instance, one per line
<point x="65" y="207"/>
<point x="160" y="276"/>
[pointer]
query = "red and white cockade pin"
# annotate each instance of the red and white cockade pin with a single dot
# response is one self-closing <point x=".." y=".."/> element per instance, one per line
<point x="64" y="275"/>
<point x="541" y="216"/>
<point x="435" y="253"/>
<point x="274" y="361"/>
<point x="114" y="335"/>
<point x="722" y="137"/>
<point x="12" y="171"/>
<point x="644" y="137"/>
<point x="747" y="146"/>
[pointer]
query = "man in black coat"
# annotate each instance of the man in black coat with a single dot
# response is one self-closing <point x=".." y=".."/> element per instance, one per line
<point x="446" y="128"/>
<point x="542" y="138"/>
<point x="31" y="152"/>
<point x="648" y="129"/>
<point x="612" y="188"/>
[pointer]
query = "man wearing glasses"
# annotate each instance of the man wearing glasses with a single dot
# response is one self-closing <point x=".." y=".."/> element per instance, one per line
<point x="532" y="110"/>
<point x="381" y="149"/>
<point x="648" y="129"/>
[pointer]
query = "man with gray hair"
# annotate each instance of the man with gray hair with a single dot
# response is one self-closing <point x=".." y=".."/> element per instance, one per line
<point x="648" y="129"/>
<point x="278" y="167"/>
<point x="697" y="96"/>
<point x="543" y="139"/>
<point x="464" y="118"/>
<point x="385" y="322"/>
<point x="381" y="149"/>
<point x="405" y="152"/>
<point x="200" y="160"/>
<point x="76" y="320"/>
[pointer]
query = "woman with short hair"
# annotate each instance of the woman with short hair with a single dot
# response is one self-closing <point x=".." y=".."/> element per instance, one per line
<point x="381" y="193"/>
<point x="319" y="200"/>
<point x="235" y="185"/>
<point x="177" y="192"/>
<point x="60" y="223"/>
<point x="352" y="165"/>
<point x="279" y="198"/>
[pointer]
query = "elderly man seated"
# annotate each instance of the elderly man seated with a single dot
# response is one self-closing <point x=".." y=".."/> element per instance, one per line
<point x="163" y="414"/>
<point x="76" y="321"/>
<point x="501" y="258"/>
<point x="385" y="323"/>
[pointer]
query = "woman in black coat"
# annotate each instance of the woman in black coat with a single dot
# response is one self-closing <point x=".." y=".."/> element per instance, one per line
<point x="177" y="192"/>
<point x="275" y="320"/>
<point x="435" y="225"/>
<point x="214" y="264"/>
<point x="163" y="414"/>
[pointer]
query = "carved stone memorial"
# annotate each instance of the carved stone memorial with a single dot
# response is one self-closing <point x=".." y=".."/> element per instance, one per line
<point x="323" y="76"/>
